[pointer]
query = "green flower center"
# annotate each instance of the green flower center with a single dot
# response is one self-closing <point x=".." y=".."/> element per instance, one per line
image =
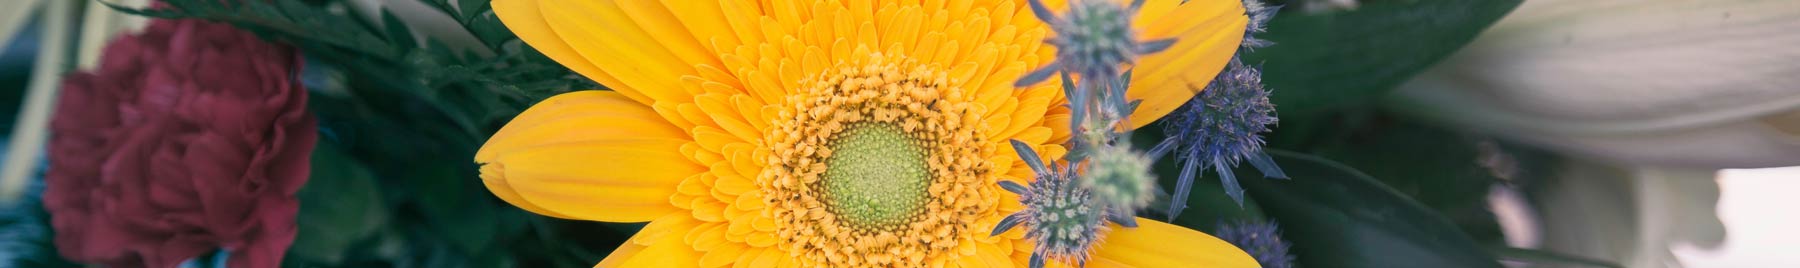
<point x="876" y="176"/>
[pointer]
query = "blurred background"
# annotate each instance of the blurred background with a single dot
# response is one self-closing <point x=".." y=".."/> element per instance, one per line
<point x="1749" y="204"/>
<point x="1552" y="133"/>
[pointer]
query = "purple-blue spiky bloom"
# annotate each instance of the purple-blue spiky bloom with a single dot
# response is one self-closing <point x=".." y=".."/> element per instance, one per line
<point x="1259" y="14"/>
<point x="1219" y="127"/>
<point x="1093" y="39"/>
<point x="1260" y="240"/>
<point x="1059" y="215"/>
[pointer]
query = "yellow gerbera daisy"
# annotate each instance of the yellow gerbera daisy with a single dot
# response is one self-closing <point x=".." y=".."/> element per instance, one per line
<point x="822" y="133"/>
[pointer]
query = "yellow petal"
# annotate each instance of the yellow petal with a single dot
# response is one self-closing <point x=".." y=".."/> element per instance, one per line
<point x="627" y="180"/>
<point x="639" y="48"/>
<point x="491" y="176"/>
<point x="524" y="19"/>
<point x="1207" y="34"/>
<point x="770" y="258"/>
<point x="668" y="252"/>
<point x="657" y="232"/>
<point x="723" y="255"/>
<point x="1158" y="244"/>
<point x="591" y="155"/>
<point x="589" y="115"/>
<point x="993" y="256"/>
<point x="623" y="253"/>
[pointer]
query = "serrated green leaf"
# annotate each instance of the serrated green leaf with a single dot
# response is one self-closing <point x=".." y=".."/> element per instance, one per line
<point x="295" y="21"/>
<point x="471" y="9"/>
<point x="490" y="30"/>
<point x="445" y="7"/>
<point x="1338" y="217"/>
<point x="1331" y="59"/>
<point x="397" y="32"/>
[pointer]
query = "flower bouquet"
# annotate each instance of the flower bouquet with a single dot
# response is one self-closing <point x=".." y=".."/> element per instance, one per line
<point x="738" y="133"/>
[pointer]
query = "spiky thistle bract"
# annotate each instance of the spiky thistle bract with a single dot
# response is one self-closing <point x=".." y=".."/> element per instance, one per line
<point x="1093" y="40"/>
<point x="1259" y="14"/>
<point x="1261" y="239"/>
<point x="1060" y="216"/>
<point x="1223" y="124"/>
<point x="1219" y="128"/>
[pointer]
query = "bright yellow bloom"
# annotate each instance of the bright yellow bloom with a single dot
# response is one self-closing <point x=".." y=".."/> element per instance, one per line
<point x="822" y="133"/>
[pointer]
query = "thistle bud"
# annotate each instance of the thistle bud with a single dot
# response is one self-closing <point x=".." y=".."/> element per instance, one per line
<point x="1120" y="179"/>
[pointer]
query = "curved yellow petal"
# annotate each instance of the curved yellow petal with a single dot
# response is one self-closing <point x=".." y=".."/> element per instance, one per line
<point x="635" y="47"/>
<point x="993" y="255"/>
<point x="1207" y="34"/>
<point x="664" y="230"/>
<point x="623" y="253"/>
<point x="491" y="176"/>
<point x="667" y="251"/>
<point x="591" y="155"/>
<point x="1157" y="244"/>
<point x="524" y="19"/>
<point x="587" y="115"/>
<point x="656" y="249"/>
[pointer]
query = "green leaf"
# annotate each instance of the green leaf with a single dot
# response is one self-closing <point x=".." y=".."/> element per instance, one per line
<point x="471" y="9"/>
<point x="1338" y="217"/>
<point x="314" y="28"/>
<point x="340" y="206"/>
<point x="1437" y="167"/>
<point x="490" y="30"/>
<point x="397" y="31"/>
<point x="1208" y="206"/>
<point x="455" y="204"/>
<point x="1545" y="258"/>
<point x="1330" y="59"/>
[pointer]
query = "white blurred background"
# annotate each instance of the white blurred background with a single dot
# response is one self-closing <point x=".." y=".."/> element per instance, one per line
<point x="1758" y="207"/>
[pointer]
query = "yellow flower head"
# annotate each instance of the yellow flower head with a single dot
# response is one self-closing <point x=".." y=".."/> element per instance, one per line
<point x="822" y="133"/>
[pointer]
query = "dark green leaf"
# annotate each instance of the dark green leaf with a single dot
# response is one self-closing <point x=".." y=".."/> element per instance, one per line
<point x="297" y="22"/>
<point x="340" y="206"/>
<point x="471" y="9"/>
<point x="397" y="31"/>
<point x="446" y="7"/>
<point x="490" y="30"/>
<point x="1324" y="60"/>
<point x="154" y="13"/>
<point x="1437" y="167"/>
<point x="1543" y="258"/>
<point x="1208" y="206"/>
<point x="1338" y="217"/>
<point x="455" y="205"/>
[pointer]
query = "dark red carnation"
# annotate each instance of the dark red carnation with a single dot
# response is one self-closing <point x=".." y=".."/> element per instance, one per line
<point x="189" y="138"/>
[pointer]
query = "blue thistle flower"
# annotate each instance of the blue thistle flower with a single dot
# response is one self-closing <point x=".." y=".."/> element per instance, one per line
<point x="1259" y="14"/>
<point x="1095" y="40"/>
<point x="1260" y="240"/>
<point x="1218" y="128"/>
<point x="1059" y="215"/>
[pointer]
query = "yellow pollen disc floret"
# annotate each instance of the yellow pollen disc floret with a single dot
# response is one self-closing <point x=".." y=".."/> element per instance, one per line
<point x="871" y="166"/>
